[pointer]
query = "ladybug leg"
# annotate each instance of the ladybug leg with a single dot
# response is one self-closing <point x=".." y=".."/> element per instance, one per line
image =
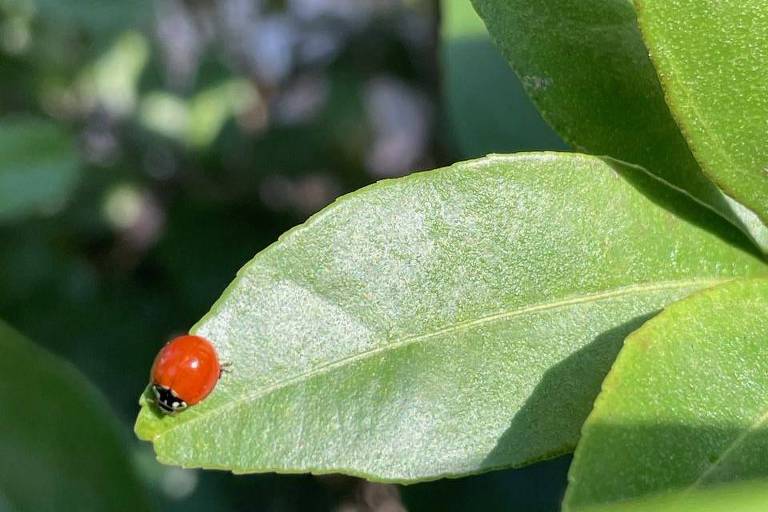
<point x="225" y="367"/>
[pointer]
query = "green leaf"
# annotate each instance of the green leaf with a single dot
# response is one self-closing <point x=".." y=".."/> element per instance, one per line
<point x="487" y="108"/>
<point x="731" y="497"/>
<point x="683" y="411"/>
<point x="38" y="167"/>
<point x="712" y="57"/>
<point x="445" y="323"/>
<point x="59" y="445"/>
<point x="584" y="64"/>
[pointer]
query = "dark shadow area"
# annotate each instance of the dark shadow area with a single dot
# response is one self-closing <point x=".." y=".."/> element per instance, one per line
<point x="562" y="401"/>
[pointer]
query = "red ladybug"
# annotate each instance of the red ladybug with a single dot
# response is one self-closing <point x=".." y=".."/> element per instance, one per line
<point x="185" y="371"/>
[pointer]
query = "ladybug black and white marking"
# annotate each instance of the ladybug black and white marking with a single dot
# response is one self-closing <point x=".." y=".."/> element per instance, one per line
<point x="167" y="400"/>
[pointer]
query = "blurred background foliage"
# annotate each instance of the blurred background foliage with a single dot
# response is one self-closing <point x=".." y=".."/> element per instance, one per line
<point x="149" y="149"/>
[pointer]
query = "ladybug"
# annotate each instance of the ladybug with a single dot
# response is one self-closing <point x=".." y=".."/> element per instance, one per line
<point x="185" y="371"/>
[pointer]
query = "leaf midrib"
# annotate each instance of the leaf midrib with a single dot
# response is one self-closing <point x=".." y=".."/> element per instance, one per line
<point x="467" y="324"/>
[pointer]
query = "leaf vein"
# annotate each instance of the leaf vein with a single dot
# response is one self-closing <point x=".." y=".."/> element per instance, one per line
<point x="467" y="324"/>
<point x="737" y="441"/>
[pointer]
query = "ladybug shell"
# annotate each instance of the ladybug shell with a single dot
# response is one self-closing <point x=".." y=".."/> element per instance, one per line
<point x="188" y="366"/>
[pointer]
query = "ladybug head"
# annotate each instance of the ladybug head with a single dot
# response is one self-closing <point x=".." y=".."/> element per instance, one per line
<point x="168" y="401"/>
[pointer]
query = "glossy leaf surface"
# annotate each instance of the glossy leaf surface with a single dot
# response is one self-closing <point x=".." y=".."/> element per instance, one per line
<point x="585" y="65"/>
<point x="445" y="323"/>
<point x="712" y="56"/>
<point x="682" y="421"/>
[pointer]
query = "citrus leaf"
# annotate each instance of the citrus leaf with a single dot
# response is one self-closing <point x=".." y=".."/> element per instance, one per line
<point x="59" y="445"/>
<point x="716" y="86"/>
<point x="487" y="109"/>
<point x="38" y="167"/>
<point x="584" y="64"/>
<point x="445" y="323"/>
<point x="747" y="496"/>
<point x="683" y="411"/>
